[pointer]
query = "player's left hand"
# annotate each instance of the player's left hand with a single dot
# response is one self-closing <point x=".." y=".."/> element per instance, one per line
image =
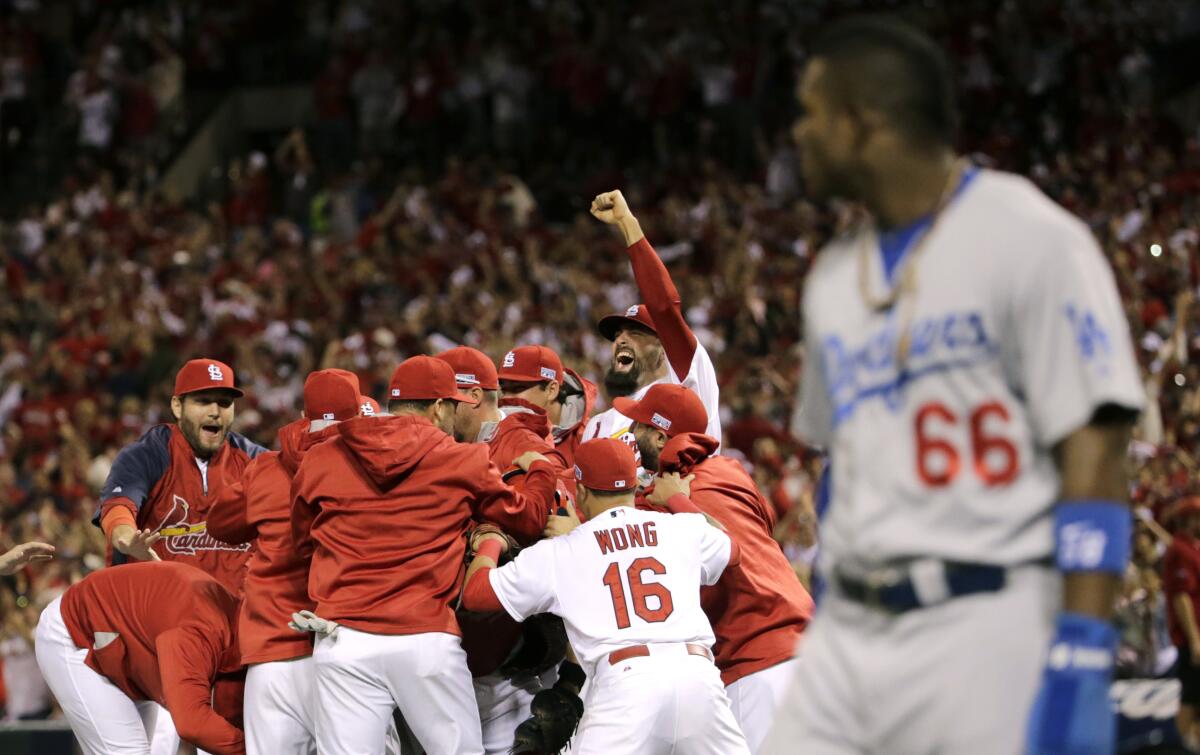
<point x="561" y="524"/>
<point x="1072" y="714"/>
<point x="22" y="555"/>
<point x="667" y="485"/>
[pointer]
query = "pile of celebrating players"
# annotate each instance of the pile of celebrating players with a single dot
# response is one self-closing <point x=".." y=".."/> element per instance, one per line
<point x="479" y="562"/>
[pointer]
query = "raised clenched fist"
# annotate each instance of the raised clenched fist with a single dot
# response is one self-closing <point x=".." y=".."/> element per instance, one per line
<point x="610" y="207"/>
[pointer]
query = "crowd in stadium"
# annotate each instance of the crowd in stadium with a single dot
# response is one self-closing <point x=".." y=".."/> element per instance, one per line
<point x="426" y="207"/>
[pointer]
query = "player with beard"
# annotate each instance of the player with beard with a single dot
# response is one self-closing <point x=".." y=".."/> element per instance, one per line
<point x="652" y="342"/>
<point x="155" y="502"/>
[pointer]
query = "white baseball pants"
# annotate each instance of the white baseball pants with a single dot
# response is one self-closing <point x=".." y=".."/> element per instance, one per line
<point x="666" y="703"/>
<point x="105" y="720"/>
<point x="280" y="708"/>
<point x="756" y="697"/>
<point x="503" y="704"/>
<point x="960" y="676"/>
<point x="361" y="677"/>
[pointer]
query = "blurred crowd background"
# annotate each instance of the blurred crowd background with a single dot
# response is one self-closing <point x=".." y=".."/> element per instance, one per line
<point x="440" y="197"/>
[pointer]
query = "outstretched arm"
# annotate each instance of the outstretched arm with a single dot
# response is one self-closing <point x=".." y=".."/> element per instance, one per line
<point x="654" y="282"/>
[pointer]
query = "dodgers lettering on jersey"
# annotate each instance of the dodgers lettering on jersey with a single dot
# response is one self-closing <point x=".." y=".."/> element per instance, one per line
<point x="701" y="378"/>
<point x="626" y="577"/>
<point x="1016" y="335"/>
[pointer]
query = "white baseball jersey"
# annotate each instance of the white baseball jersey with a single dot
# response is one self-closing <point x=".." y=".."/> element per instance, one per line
<point x="626" y="577"/>
<point x="701" y="378"/>
<point x="1017" y="336"/>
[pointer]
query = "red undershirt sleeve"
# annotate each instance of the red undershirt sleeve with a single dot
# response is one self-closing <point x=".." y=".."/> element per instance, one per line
<point x="662" y="300"/>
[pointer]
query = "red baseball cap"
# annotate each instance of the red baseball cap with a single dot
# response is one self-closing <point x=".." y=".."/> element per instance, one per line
<point x="671" y="408"/>
<point x="531" y="364"/>
<point x="609" y="325"/>
<point x="606" y="464"/>
<point x="472" y="368"/>
<point x="204" y="375"/>
<point x="369" y="407"/>
<point x="423" y="378"/>
<point x="330" y="394"/>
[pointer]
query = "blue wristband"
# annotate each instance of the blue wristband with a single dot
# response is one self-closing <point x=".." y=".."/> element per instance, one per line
<point x="1073" y="714"/>
<point x="1092" y="536"/>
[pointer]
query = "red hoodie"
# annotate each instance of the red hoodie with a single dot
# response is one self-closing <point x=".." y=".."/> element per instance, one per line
<point x="758" y="608"/>
<point x="384" y="507"/>
<point x="166" y="632"/>
<point x="259" y="508"/>
<point x="520" y="432"/>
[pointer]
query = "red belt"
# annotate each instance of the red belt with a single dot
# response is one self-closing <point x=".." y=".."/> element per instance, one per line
<point x="641" y="651"/>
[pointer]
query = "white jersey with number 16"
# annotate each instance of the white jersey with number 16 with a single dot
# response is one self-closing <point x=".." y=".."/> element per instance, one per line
<point x="626" y="577"/>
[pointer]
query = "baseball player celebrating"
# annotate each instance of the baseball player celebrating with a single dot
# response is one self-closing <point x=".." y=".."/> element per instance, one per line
<point x="155" y="501"/>
<point x="124" y="639"/>
<point x="969" y="368"/>
<point x="759" y="608"/>
<point x="652" y="342"/>
<point x="627" y="585"/>
<point x="476" y="378"/>
<point x="279" y="708"/>
<point x="384" y="508"/>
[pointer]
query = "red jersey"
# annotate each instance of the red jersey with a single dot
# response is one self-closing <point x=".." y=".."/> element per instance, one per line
<point x="489" y="638"/>
<point x="758" y="608"/>
<point x="1181" y="576"/>
<point x="159" y="479"/>
<point x="258" y="508"/>
<point x="384" y="507"/>
<point x="166" y="632"/>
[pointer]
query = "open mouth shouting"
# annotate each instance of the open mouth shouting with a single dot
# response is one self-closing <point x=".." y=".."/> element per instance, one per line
<point x="211" y="433"/>
<point x="624" y="360"/>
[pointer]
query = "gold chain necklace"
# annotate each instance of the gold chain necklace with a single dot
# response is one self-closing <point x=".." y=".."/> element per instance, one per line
<point x="905" y="289"/>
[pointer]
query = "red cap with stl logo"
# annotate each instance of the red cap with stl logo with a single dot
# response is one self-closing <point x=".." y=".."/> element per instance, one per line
<point x="472" y="368"/>
<point x="204" y="375"/>
<point x="331" y="395"/>
<point x="369" y="407"/>
<point x="531" y="364"/>
<point x="609" y="325"/>
<point x="671" y="408"/>
<point x="606" y="464"/>
<point x="425" y="378"/>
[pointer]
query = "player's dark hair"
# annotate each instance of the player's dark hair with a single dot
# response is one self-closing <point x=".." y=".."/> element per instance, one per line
<point x="410" y="407"/>
<point x="881" y="63"/>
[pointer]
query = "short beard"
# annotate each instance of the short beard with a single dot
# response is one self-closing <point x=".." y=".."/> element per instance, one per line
<point x="618" y="384"/>
<point x="191" y="432"/>
<point x="649" y="455"/>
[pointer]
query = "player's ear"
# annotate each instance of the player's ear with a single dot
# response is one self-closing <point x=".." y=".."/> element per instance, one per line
<point x="660" y="439"/>
<point x="552" y="390"/>
<point x="177" y="407"/>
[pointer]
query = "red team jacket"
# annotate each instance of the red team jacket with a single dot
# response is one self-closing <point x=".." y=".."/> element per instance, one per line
<point x="175" y="643"/>
<point x="489" y="638"/>
<point x="158" y="480"/>
<point x="1181" y="576"/>
<point x="384" y="507"/>
<point x="758" y="608"/>
<point x="258" y="508"/>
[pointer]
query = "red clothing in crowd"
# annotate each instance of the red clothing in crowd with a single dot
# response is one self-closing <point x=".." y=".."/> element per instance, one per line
<point x="258" y="508"/>
<point x="384" y="507"/>
<point x="525" y="429"/>
<point x="1181" y="576"/>
<point x="166" y="632"/>
<point x="158" y="480"/>
<point x="758" y="608"/>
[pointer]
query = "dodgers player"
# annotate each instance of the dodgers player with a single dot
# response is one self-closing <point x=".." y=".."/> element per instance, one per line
<point x="969" y="368"/>
<point x="627" y="585"/>
<point x="652" y="342"/>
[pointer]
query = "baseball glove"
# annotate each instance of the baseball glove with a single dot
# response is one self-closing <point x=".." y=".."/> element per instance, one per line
<point x="543" y="645"/>
<point x="556" y="714"/>
<point x="486" y="527"/>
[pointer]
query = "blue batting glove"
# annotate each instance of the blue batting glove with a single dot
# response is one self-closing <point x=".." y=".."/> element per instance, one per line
<point x="1072" y="714"/>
